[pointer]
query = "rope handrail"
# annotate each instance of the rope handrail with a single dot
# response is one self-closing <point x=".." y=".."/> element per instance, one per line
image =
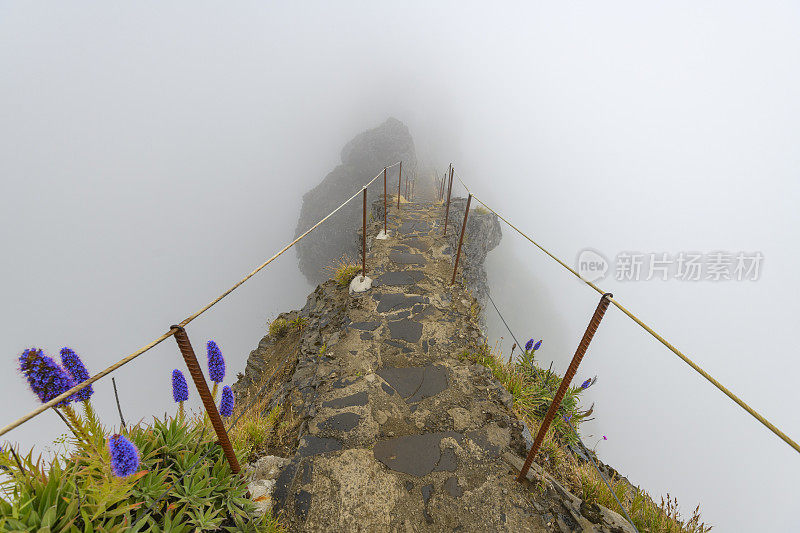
<point x="45" y="406"/>
<point x="752" y="412"/>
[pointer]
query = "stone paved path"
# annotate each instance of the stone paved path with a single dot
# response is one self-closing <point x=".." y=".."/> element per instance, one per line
<point x="400" y="433"/>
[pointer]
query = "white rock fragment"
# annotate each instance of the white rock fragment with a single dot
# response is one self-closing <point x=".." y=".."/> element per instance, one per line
<point x="261" y="494"/>
<point x="268" y="467"/>
<point x="264" y="473"/>
<point x="360" y="284"/>
<point x="382" y="236"/>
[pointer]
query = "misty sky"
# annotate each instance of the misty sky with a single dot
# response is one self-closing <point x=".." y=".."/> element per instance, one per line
<point x="150" y="155"/>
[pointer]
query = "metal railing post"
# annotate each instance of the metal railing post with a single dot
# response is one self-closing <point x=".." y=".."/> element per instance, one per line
<point x="461" y="239"/>
<point x="566" y="380"/>
<point x="447" y="209"/>
<point x="208" y="402"/>
<point x="364" y="238"/>
<point x="399" y="180"/>
<point x="384" y="201"/>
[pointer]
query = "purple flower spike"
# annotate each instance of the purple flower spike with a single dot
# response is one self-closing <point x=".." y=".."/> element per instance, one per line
<point x="536" y="346"/>
<point x="216" y="363"/>
<point x="226" y="404"/>
<point x="605" y="438"/>
<point x="72" y="362"/>
<point x="588" y="383"/>
<point x="46" y="378"/>
<point x="124" y="456"/>
<point x="180" y="391"/>
<point x="529" y="345"/>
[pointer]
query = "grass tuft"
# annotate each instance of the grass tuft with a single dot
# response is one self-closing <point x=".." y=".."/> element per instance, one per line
<point x="278" y="328"/>
<point x="343" y="270"/>
<point x="298" y="323"/>
<point x="533" y="389"/>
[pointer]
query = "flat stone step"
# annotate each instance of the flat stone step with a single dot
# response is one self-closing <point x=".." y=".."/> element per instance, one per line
<point x="418" y="455"/>
<point x="402" y="277"/>
<point x="415" y="383"/>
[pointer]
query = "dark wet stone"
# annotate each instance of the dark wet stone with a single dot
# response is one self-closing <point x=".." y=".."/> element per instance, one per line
<point x="415" y="226"/>
<point x="425" y="346"/>
<point x="432" y="342"/>
<point x="404" y="349"/>
<point x="403" y="277"/>
<point x="416" y="455"/>
<point x="366" y="336"/>
<point x="343" y="382"/>
<point x="434" y="381"/>
<point x="480" y="438"/>
<point x="283" y="484"/>
<point x="406" y="329"/>
<point x="425" y="313"/>
<point x="452" y="488"/>
<point x="405" y="381"/>
<point x="447" y="251"/>
<point x="311" y="445"/>
<point x="387" y="389"/>
<point x="340" y="423"/>
<point x="308" y="470"/>
<point x="448" y="462"/>
<point x="404" y="258"/>
<point x="417" y="244"/>
<point x="416" y="383"/>
<point x="409" y="485"/>
<point x="302" y="503"/>
<point x="396" y="302"/>
<point x="427" y="491"/>
<point x="366" y="326"/>
<point x="401" y="314"/>
<point x="359" y="398"/>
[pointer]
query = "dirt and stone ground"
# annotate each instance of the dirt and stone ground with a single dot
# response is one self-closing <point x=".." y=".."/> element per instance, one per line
<point x="398" y="432"/>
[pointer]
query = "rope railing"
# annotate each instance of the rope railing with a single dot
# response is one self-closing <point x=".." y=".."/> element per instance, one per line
<point x="125" y="360"/>
<point x="755" y="414"/>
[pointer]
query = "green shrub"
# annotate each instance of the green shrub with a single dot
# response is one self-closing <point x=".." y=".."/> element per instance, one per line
<point x="278" y="328"/>
<point x="77" y="491"/>
<point x="533" y="389"/>
<point x="343" y="270"/>
<point x="298" y="323"/>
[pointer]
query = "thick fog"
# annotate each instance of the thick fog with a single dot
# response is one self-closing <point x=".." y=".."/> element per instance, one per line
<point x="151" y="155"/>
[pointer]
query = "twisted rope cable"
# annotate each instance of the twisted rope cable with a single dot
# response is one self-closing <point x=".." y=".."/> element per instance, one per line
<point x="125" y="360"/>
<point x="577" y="436"/>
<point x="752" y="412"/>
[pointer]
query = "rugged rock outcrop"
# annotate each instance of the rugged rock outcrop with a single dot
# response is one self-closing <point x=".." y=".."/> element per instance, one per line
<point x="362" y="157"/>
<point x="392" y="429"/>
<point x="482" y="235"/>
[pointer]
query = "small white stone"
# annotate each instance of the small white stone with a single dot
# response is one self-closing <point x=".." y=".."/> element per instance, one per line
<point x="268" y="467"/>
<point x="261" y="495"/>
<point x="382" y="236"/>
<point x="360" y="284"/>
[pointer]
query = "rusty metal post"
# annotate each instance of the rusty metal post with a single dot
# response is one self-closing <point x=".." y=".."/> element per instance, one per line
<point x="364" y="238"/>
<point x="399" y="180"/>
<point x="447" y="210"/>
<point x="567" y="379"/>
<point x="461" y="239"/>
<point x="384" y="201"/>
<point x="208" y="402"/>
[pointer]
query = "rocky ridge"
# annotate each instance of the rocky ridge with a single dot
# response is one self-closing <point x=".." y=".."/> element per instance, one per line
<point x="394" y="430"/>
<point x="361" y="158"/>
